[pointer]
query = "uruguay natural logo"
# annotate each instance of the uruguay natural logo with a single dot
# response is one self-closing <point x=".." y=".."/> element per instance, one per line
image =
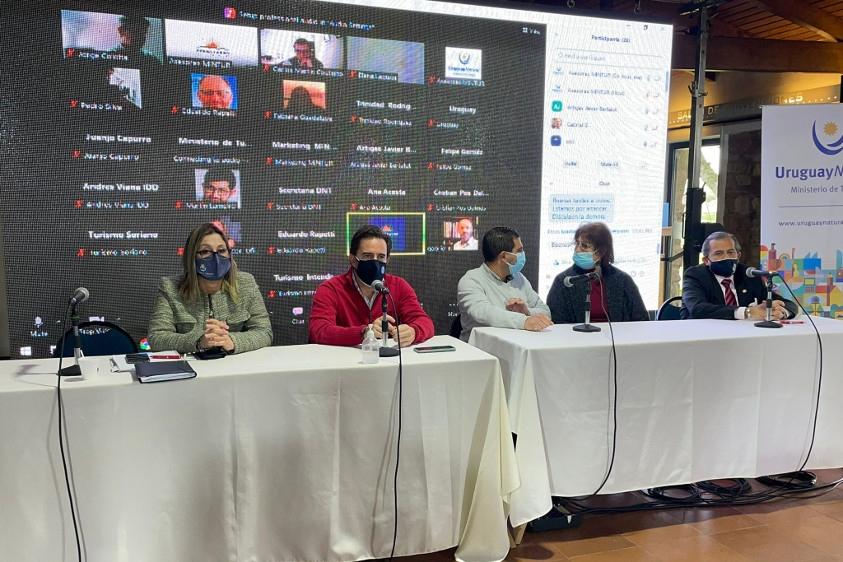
<point x="830" y="131"/>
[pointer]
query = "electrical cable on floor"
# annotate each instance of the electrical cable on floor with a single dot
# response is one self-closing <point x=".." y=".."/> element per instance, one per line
<point x="706" y="496"/>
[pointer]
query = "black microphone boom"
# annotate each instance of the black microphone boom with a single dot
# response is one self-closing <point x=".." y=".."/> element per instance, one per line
<point x="79" y="296"/>
<point x="752" y="272"/>
<point x="378" y="285"/>
<point x="570" y="280"/>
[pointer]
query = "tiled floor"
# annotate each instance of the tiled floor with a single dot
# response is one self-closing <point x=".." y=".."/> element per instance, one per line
<point x="805" y="530"/>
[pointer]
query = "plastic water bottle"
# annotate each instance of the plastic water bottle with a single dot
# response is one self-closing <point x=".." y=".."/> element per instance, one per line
<point x="370" y="347"/>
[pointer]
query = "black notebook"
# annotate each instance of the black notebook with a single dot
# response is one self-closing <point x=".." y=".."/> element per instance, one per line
<point x="157" y="371"/>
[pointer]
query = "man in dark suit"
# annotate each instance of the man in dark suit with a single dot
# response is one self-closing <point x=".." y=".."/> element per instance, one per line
<point x="719" y="287"/>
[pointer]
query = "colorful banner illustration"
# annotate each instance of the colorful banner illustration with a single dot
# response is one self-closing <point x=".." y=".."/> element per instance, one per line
<point x="802" y="203"/>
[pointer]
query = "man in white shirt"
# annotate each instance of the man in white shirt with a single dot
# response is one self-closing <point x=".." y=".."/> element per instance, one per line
<point x="497" y="293"/>
<point x="467" y="241"/>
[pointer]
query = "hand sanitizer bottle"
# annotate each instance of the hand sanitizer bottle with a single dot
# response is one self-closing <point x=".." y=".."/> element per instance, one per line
<point x="370" y="348"/>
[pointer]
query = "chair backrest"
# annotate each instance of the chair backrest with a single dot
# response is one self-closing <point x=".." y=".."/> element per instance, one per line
<point x="99" y="338"/>
<point x="456" y="328"/>
<point x="669" y="310"/>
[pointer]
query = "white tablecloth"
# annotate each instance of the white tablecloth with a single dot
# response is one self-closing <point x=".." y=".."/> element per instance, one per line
<point x="697" y="400"/>
<point x="286" y="453"/>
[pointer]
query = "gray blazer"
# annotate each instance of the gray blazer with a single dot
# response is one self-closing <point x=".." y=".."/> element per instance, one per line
<point x="178" y="325"/>
<point x="567" y="305"/>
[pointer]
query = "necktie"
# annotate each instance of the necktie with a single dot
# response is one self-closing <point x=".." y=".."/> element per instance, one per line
<point x="730" y="296"/>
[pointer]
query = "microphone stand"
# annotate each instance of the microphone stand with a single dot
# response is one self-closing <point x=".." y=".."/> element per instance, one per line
<point x="385" y="351"/>
<point x="216" y="352"/>
<point x="587" y="326"/>
<point x="74" y="370"/>
<point x="769" y="323"/>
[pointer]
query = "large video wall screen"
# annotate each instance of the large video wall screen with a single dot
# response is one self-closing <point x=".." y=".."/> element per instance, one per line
<point x="292" y="124"/>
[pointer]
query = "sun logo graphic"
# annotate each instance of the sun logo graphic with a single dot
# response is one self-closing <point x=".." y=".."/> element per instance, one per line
<point x="213" y="47"/>
<point x="830" y="130"/>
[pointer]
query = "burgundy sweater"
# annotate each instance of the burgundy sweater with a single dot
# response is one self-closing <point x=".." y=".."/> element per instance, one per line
<point x="339" y="312"/>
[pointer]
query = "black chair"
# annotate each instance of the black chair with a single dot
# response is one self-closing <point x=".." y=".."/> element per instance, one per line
<point x="99" y="338"/>
<point x="456" y="328"/>
<point x="668" y="310"/>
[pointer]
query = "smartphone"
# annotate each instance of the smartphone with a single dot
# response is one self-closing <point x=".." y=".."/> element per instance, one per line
<point x="434" y="348"/>
<point x="132" y="358"/>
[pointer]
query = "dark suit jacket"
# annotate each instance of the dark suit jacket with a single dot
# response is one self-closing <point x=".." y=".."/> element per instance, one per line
<point x="702" y="296"/>
<point x="623" y="301"/>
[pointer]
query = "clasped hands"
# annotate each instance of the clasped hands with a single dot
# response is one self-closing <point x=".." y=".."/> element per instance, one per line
<point x="759" y="311"/>
<point x="216" y="335"/>
<point x="402" y="333"/>
<point x="533" y="323"/>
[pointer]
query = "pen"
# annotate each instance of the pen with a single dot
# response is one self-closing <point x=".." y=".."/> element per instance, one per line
<point x="791" y="321"/>
<point x="165" y="356"/>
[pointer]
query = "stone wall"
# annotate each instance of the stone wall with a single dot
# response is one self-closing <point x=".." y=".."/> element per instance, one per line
<point x="742" y="194"/>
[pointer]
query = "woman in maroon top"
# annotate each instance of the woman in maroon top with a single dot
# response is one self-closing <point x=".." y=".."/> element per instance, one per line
<point x="616" y="295"/>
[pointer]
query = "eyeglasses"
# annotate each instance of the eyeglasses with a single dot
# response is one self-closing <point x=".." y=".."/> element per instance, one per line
<point x="585" y="246"/>
<point x="205" y="253"/>
<point x="218" y="93"/>
<point x="217" y="189"/>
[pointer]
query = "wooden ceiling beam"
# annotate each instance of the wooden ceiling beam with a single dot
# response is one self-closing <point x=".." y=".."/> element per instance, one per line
<point x="760" y="55"/>
<point x="724" y="28"/>
<point x="826" y="25"/>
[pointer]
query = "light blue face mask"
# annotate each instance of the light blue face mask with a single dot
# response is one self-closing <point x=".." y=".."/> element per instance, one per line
<point x="520" y="260"/>
<point x="584" y="260"/>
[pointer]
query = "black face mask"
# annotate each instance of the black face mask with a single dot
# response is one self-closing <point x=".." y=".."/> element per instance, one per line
<point x="370" y="271"/>
<point x="723" y="268"/>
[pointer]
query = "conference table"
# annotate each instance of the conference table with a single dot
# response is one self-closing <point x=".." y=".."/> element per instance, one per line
<point x="696" y="400"/>
<point x="285" y="453"/>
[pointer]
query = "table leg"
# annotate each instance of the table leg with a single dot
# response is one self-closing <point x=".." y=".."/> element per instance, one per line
<point x="516" y="535"/>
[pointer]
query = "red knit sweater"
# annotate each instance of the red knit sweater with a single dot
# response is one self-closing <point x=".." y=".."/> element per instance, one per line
<point x="339" y="312"/>
<point x="598" y="302"/>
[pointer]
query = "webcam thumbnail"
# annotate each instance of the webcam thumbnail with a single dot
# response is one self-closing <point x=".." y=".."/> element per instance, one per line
<point x="298" y="50"/>
<point x="459" y="233"/>
<point x="402" y="58"/>
<point x="122" y="38"/>
<point x="233" y="44"/>
<point x="406" y="230"/>
<point x="304" y="97"/>
<point x="213" y="91"/>
<point x="218" y="186"/>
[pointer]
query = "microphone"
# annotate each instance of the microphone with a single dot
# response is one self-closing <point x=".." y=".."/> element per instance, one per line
<point x="215" y="352"/>
<point x="751" y="272"/>
<point x="570" y="280"/>
<point x="378" y="285"/>
<point x="80" y="296"/>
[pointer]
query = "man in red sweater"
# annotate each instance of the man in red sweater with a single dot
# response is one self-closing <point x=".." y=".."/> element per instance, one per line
<point x="345" y="305"/>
